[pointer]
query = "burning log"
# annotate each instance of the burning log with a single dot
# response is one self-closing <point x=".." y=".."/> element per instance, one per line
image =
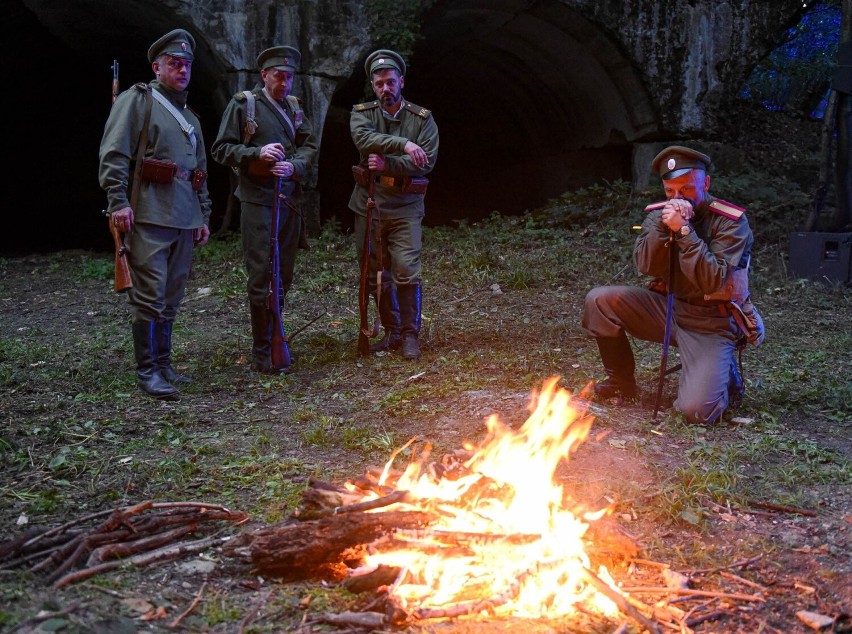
<point x="308" y="549"/>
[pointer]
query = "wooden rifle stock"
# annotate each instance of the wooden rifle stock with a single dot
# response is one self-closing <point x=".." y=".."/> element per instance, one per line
<point x="123" y="282"/>
<point x="122" y="268"/>
<point x="364" y="330"/>
<point x="281" y="359"/>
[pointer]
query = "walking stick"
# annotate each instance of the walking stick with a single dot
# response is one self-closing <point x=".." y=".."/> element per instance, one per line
<point x="668" y="330"/>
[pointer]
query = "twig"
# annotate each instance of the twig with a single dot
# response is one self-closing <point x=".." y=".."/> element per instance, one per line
<point x="387" y="500"/>
<point x="293" y="334"/>
<point x="248" y="619"/>
<point x="738" y="564"/>
<point x="163" y="554"/>
<point x="697" y="593"/>
<point x="41" y="617"/>
<point x="180" y="617"/>
<point x="620" y="600"/>
<point x="750" y="584"/>
<point x="782" y="508"/>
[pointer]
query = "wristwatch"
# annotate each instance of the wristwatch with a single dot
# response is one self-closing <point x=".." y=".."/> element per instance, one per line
<point x="685" y="230"/>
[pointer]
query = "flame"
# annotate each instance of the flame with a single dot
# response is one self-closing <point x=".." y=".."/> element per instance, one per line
<point x="505" y="538"/>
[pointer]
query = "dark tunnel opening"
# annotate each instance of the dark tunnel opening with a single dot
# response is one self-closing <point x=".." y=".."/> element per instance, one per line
<point x="530" y="103"/>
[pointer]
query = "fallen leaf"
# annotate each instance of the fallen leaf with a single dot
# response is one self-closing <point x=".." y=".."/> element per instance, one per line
<point x="814" y="620"/>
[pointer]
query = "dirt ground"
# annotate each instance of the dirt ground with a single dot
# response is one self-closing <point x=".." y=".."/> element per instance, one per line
<point x="77" y="437"/>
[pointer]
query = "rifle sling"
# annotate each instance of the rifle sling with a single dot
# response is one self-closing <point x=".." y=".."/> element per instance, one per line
<point x="140" y="152"/>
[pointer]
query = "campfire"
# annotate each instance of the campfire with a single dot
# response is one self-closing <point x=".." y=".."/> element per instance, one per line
<point x="504" y="531"/>
<point x="485" y="529"/>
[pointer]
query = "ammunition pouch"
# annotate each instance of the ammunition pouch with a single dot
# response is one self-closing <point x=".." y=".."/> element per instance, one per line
<point x="165" y="172"/>
<point x="400" y="184"/>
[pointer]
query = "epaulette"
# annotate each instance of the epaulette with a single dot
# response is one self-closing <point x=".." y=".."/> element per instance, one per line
<point x="241" y="96"/>
<point x="360" y="107"/>
<point x="141" y="86"/>
<point x="420" y="112"/>
<point x="726" y="209"/>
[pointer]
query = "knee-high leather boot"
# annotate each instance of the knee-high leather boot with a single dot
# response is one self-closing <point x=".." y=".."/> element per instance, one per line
<point x="410" y="303"/>
<point x="389" y="314"/>
<point x="164" y="354"/>
<point x="618" y="363"/>
<point x="148" y="374"/>
<point x="261" y="339"/>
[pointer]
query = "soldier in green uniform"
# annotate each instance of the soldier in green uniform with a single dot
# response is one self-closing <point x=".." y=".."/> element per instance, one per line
<point x="161" y="202"/>
<point x="398" y="145"/>
<point x="262" y="135"/>
<point x="712" y="245"/>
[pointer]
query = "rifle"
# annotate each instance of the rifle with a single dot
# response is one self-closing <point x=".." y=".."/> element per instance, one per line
<point x="664" y="358"/>
<point x="123" y="282"/>
<point x="281" y="359"/>
<point x="364" y="331"/>
<point x="114" y="79"/>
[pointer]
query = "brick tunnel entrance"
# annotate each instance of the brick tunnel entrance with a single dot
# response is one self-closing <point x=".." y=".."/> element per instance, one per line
<point x="531" y="101"/>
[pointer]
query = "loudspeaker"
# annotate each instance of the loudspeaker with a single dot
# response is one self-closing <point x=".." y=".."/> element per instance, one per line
<point x="823" y="257"/>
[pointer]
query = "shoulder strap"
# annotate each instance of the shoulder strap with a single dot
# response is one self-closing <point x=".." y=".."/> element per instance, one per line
<point x="140" y="150"/>
<point x="251" y="124"/>
<point x="187" y="128"/>
<point x="729" y="210"/>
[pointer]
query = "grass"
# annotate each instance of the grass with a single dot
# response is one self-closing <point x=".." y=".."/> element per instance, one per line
<point x="502" y="303"/>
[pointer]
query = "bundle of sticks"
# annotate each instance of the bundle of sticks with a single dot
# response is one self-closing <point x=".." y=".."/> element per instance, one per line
<point x="138" y="535"/>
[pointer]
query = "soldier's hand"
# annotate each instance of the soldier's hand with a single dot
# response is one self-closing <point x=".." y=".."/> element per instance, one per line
<point x="272" y="152"/>
<point x="284" y="169"/>
<point x="417" y="154"/>
<point x="677" y="213"/>
<point x="201" y="235"/>
<point x="376" y="162"/>
<point x="122" y="219"/>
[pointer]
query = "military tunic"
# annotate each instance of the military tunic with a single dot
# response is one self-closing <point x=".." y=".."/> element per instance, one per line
<point x="704" y="332"/>
<point x="398" y="215"/>
<point x="166" y="215"/>
<point x="257" y="195"/>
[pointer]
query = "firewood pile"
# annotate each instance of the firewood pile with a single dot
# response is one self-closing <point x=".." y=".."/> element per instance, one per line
<point x="139" y="535"/>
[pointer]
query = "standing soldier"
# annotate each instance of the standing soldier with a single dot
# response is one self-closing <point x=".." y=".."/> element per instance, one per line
<point x="153" y="167"/>
<point x="264" y="134"/>
<point x="398" y="145"/>
<point x="698" y="248"/>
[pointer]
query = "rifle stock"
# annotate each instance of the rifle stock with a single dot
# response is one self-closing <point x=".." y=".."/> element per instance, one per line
<point x="123" y="282"/>
<point x="281" y="359"/>
<point x="364" y="330"/>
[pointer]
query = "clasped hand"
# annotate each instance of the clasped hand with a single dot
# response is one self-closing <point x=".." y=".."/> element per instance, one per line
<point x="677" y="213"/>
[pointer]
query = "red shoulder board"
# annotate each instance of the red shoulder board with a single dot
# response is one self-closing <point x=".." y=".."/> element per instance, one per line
<point x="654" y="206"/>
<point x="726" y="209"/>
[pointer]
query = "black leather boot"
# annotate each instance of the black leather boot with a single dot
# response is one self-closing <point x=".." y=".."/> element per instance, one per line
<point x="261" y="335"/>
<point x="389" y="314"/>
<point x="148" y="374"/>
<point x="410" y="302"/>
<point x="617" y="359"/>
<point x="164" y="354"/>
<point x="736" y="387"/>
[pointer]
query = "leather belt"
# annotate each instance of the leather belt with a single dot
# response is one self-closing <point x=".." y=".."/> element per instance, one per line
<point x="698" y="301"/>
<point x="389" y="181"/>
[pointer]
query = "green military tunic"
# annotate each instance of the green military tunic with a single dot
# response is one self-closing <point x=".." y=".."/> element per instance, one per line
<point x="175" y="205"/>
<point x="703" y="331"/>
<point x="375" y="132"/>
<point x="257" y="194"/>
<point x="166" y="214"/>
